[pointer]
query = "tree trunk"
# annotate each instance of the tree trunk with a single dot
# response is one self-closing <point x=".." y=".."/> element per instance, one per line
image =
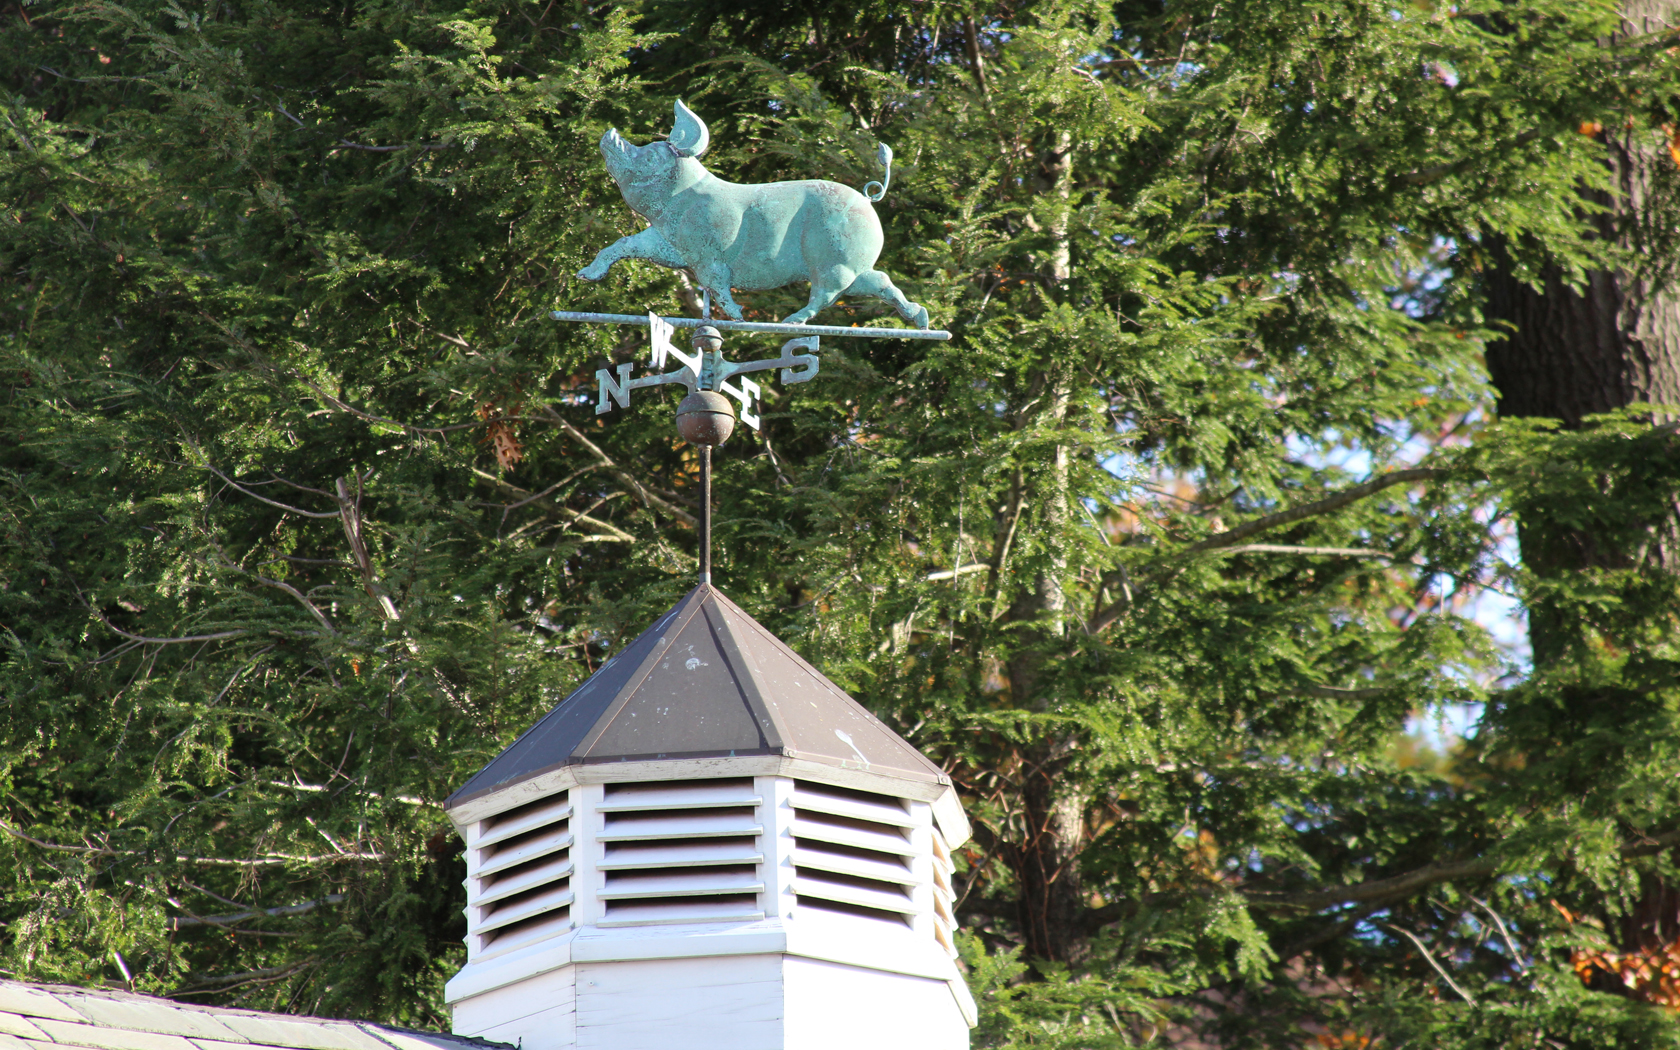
<point x="1572" y="354"/>
<point x="1046" y="862"/>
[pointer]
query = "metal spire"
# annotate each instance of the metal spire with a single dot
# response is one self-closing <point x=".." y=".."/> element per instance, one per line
<point x="706" y="417"/>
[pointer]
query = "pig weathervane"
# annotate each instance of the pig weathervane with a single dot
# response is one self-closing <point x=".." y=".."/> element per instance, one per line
<point x="732" y="236"/>
<point x="749" y="237"/>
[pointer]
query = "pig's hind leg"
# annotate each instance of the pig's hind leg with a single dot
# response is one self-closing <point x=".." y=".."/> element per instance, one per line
<point x="649" y="245"/>
<point x="825" y="288"/>
<point x="878" y="285"/>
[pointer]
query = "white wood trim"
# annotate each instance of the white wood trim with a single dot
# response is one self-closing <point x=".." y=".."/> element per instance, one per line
<point x="805" y="886"/>
<point x="686" y="1004"/>
<point x="860" y="867"/>
<point x="554" y="843"/>
<point x="559" y="868"/>
<point x="486" y="975"/>
<point x="696" y="825"/>
<point x="679" y="911"/>
<point x="489" y="946"/>
<point x="921" y="866"/>
<point x="512" y="797"/>
<point x="949" y="809"/>
<point x="686" y="854"/>
<point x="680" y="941"/>
<point x="883" y="812"/>
<point x="663" y="797"/>
<point x="902" y="1011"/>
<point x="895" y="948"/>
<point x="489" y="831"/>
<point x="776" y="843"/>
<point x="880" y="842"/>
<point x="683" y="884"/>
<point x="587" y="876"/>
<point x="952" y="821"/>
<point x="541" y="996"/>
<point x="559" y="897"/>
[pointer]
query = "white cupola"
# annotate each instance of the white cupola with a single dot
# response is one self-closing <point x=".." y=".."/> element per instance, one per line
<point x="710" y="845"/>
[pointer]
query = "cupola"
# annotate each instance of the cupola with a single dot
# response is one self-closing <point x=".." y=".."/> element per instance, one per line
<point x="709" y="844"/>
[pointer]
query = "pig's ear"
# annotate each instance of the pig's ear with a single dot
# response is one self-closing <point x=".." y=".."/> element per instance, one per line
<point x="689" y="137"/>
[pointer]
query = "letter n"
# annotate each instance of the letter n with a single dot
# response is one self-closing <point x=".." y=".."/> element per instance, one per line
<point x="617" y="389"/>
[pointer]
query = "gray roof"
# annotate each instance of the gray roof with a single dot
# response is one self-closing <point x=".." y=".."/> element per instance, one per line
<point x="705" y="681"/>
<point x="53" y="1017"/>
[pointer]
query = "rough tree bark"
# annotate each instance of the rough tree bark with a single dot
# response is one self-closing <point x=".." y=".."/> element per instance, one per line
<point x="1572" y="354"/>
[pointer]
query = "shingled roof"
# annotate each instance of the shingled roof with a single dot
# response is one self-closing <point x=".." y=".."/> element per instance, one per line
<point x="55" y="1017"/>
<point x="705" y="681"/>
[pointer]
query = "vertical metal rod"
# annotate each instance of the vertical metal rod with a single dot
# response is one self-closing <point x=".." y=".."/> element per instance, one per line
<point x="705" y="304"/>
<point x="705" y="514"/>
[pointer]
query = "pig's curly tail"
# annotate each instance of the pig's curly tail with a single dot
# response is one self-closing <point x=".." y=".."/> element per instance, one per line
<point x="876" y="190"/>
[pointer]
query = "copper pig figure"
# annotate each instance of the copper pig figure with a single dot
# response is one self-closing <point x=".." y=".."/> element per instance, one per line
<point x="749" y="237"/>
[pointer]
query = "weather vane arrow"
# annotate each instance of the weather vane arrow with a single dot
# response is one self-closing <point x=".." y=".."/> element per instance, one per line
<point x="783" y="232"/>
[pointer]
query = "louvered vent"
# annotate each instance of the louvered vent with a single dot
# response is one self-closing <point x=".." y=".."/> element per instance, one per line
<point x="852" y="853"/>
<point x="944" y="918"/>
<point x="519" y="883"/>
<point x="680" y="851"/>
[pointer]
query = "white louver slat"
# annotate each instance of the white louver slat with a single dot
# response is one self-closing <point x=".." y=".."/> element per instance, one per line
<point x="852" y="853"/>
<point x="944" y="908"/>
<point x="519" y="867"/>
<point x="680" y="851"/>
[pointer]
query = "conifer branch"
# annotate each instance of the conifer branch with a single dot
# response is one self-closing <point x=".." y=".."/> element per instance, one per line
<point x="638" y="488"/>
<point x="1397" y="887"/>
<point x="1424" y="176"/>
<point x="1231" y="537"/>
<point x="1228" y="541"/>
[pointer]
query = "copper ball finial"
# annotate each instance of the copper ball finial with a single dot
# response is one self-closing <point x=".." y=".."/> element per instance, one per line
<point x="705" y="417"/>
<point x="707" y="339"/>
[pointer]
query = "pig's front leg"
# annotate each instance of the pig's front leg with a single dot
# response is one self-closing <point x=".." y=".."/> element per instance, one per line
<point x="648" y="245"/>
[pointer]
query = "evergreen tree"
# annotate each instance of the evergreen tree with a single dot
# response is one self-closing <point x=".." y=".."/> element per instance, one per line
<point x="307" y="511"/>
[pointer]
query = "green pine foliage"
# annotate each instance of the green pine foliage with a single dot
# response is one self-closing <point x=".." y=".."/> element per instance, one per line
<point x="305" y="511"/>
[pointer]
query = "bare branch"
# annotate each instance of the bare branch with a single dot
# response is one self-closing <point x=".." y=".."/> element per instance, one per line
<point x="628" y="480"/>
<point x="350" y="516"/>
<point x="612" y="532"/>
<point x="1231" y="537"/>
<point x="1403" y="885"/>
<point x="347" y="144"/>
<point x="228" y="982"/>
<point x="252" y="913"/>
<point x="299" y="595"/>
<point x="1430" y="957"/>
<point x="216" y="637"/>
<point x="410" y="800"/>
<point x="1516" y="956"/>
<point x="1324" y="552"/>
<point x="94" y="851"/>
<point x="961" y="570"/>
<point x="1391" y="888"/>
<point x="283" y="506"/>
<point x="267" y="861"/>
<point x="1331" y="692"/>
<point x="273" y="860"/>
<point x="1424" y="176"/>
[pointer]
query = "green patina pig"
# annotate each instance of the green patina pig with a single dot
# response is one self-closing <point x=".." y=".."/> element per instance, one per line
<point x="748" y="237"/>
